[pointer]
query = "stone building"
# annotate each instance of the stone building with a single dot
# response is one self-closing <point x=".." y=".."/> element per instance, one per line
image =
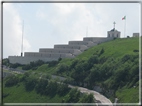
<point x="135" y="34"/>
<point x="113" y="33"/>
<point x="70" y="50"/>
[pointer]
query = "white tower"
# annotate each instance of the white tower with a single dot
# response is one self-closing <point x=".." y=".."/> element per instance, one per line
<point x="113" y="33"/>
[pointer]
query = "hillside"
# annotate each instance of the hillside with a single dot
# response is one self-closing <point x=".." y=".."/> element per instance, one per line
<point x="112" y="66"/>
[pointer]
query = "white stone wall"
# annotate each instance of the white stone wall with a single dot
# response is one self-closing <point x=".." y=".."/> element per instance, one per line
<point x="27" y="60"/>
<point x="135" y="34"/>
<point x="80" y="47"/>
<point x="60" y="50"/>
<point x="71" y="50"/>
<point x="78" y="42"/>
<point x="86" y="43"/>
<point x="61" y="46"/>
<point x="97" y="40"/>
<point x="94" y="39"/>
<point x="48" y="55"/>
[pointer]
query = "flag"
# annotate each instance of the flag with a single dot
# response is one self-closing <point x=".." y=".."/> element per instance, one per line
<point x="124" y="18"/>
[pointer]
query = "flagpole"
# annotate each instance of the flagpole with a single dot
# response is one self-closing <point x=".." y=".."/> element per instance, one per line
<point x="22" y="39"/>
<point x="87" y="31"/>
<point x="125" y="27"/>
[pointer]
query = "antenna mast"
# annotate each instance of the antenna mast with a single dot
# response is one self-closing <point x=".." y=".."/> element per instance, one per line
<point x="87" y="31"/>
<point x="22" y="39"/>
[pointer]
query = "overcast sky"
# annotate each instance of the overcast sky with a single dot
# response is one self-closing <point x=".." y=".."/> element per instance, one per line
<point x="46" y="24"/>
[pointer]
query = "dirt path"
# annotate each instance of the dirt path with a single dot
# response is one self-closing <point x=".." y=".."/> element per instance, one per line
<point x="99" y="97"/>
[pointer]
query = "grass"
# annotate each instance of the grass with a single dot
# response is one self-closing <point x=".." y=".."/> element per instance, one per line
<point x="116" y="48"/>
<point x="128" y="95"/>
<point x="18" y="94"/>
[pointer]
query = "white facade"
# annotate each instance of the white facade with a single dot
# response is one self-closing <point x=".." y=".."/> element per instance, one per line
<point x="79" y="47"/>
<point x="60" y="50"/>
<point x="70" y="50"/>
<point x="86" y="43"/>
<point x="113" y="33"/>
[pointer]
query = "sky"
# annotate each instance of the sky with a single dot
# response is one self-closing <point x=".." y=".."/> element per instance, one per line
<point x="47" y="24"/>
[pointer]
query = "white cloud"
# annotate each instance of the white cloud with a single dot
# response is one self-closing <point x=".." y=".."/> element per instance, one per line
<point x="12" y="32"/>
<point x="69" y="21"/>
<point x="57" y="23"/>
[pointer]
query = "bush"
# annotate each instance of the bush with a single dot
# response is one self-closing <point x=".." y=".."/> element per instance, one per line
<point x="15" y="65"/>
<point x="30" y="83"/>
<point x="101" y="52"/>
<point x="52" y="63"/>
<point x="41" y="86"/>
<point x="135" y="50"/>
<point x="26" y="67"/>
<point x="73" y="96"/>
<point x="51" y="88"/>
<point x="5" y="62"/>
<point x="62" y="89"/>
<point x="11" y="81"/>
<point x="63" y="68"/>
<point x="87" y="98"/>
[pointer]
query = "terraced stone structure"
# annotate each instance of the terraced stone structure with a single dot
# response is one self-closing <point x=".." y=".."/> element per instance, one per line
<point x="70" y="50"/>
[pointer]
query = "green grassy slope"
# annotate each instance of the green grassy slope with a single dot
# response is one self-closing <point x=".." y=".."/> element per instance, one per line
<point x="115" y="49"/>
<point x="18" y="94"/>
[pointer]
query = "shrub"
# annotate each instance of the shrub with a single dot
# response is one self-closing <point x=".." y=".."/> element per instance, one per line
<point x="41" y="86"/>
<point x="30" y="83"/>
<point x="63" y="68"/>
<point x="11" y="81"/>
<point x="15" y="65"/>
<point x="101" y="52"/>
<point x="135" y="50"/>
<point x="52" y="63"/>
<point x="26" y="67"/>
<point x="62" y="89"/>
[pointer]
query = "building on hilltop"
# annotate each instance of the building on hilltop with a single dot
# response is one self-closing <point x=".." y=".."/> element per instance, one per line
<point x="113" y="33"/>
<point x="135" y="34"/>
<point x="70" y="50"/>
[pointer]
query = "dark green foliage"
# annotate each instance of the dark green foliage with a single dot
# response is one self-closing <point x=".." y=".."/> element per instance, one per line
<point x="11" y="81"/>
<point x="26" y="67"/>
<point x="5" y="62"/>
<point x="135" y="50"/>
<point x="5" y="95"/>
<point x="93" y="59"/>
<point x="73" y="96"/>
<point x="79" y="73"/>
<point x="59" y="59"/>
<point x="63" y="68"/>
<point x="41" y="86"/>
<point x="33" y="65"/>
<point x="15" y="65"/>
<point x="52" y="63"/>
<point x="74" y="63"/>
<point x="30" y="83"/>
<point x="51" y="88"/>
<point x="101" y="52"/>
<point x="62" y="89"/>
<point x="87" y="98"/>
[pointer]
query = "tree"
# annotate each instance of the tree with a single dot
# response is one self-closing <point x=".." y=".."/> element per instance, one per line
<point x="41" y="86"/>
<point x="101" y="52"/>
<point x="30" y="83"/>
<point x="11" y="81"/>
<point x="63" y="68"/>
